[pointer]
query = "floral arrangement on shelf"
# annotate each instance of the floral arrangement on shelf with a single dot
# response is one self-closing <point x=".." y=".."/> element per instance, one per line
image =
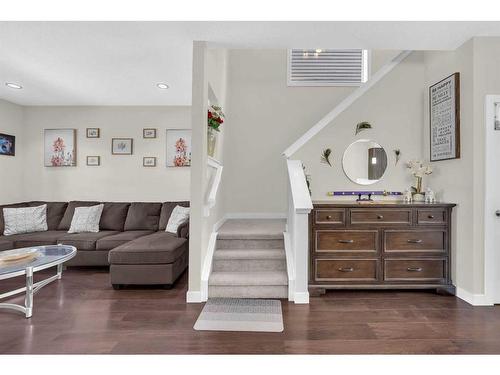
<point x="418" y="169"/>
<point x="215" y="117"/>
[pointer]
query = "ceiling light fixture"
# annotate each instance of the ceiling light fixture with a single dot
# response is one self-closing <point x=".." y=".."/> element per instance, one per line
<point x="162" y="86"/>
<point x="13" y="85"/>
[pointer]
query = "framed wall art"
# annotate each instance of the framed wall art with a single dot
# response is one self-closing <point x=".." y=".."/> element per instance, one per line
<point x="148" y="133"/>
<point x="149" y="161"/>
<point x="93" y="161"/>
<point x="59" y="147"/>
<point x="93" y="132"/>
<point x="178" y="147"/>
<point x="444" y="108"/>
<point x="122" y="146"/>
<point x="7" y="145"/>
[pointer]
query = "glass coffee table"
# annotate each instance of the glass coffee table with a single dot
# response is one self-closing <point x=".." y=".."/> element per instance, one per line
<point x="31" y="260"/>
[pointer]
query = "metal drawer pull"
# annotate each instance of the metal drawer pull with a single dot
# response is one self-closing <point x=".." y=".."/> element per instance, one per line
<point x="346" y="241"/>
<point x="328" y="217"/>
<point x="380" y="217"/>
<point x="431" y="216"/>
<point x="349" y="269"/>
<point x="414" y="269"/>
<point x="414" y="241"/>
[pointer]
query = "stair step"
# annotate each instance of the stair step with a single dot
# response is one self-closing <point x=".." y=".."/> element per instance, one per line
<point x="256" y="229"/>
<point x="272" y="278"/>
<point x="249" y="254"/>
<point x="248" y="265"/>
<point x="233" y="244"/>
<point x="259" y="291"/>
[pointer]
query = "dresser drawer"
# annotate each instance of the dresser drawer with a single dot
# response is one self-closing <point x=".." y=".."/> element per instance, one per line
<point x="431" y="217"/>
<point x="427" y="241"/>
<point x="346" y="241"/>
<point x="345" y="270"/>
<point x="380" y="216"/>
<point x="422" y="270"/>
<point x="330" y="216"/>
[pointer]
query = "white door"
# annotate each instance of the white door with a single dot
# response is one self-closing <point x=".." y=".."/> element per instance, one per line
<point x="492" y="199"/>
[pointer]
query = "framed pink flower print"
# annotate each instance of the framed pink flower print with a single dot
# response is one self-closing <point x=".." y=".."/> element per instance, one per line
<point x="178" y="147"/>
<point x="59" y="147"/>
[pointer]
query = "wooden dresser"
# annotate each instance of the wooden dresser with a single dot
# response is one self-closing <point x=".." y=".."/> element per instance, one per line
<point x="380" y="246"/>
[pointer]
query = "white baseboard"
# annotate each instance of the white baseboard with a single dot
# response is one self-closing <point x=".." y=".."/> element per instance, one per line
<point x="193" y="297"/>
<point x="255" y="215"/>
<point x="207" y="266"/>
<point x="473" y="299"/>
<point x="301" y="297"/>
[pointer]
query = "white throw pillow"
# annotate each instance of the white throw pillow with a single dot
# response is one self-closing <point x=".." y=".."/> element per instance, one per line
<point x="86" y="219"/>
<point x="179" y="216"/>
<point x="25" y="220"/>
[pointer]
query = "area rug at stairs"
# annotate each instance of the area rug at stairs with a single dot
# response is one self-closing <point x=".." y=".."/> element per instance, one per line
<point x="239" y="314"/>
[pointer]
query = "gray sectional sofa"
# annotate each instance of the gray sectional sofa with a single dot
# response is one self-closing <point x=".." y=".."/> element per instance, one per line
<point x="131" y="240"/>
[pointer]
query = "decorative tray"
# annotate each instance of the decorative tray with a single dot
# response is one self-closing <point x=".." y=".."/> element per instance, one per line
<point x="17" y="255"/>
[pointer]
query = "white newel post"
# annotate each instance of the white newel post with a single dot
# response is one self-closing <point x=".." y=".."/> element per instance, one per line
<point x="299" y="207"/>
<point x="301" y="246"/>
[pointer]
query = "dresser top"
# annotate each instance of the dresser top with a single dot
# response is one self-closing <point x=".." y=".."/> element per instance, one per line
<point x="381" y="203"/>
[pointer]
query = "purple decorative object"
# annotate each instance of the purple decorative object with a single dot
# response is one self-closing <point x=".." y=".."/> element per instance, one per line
<point x="361" y="193"/>
<point x="366" y="192"/>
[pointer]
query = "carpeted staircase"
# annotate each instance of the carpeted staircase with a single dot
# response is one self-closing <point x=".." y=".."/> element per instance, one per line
<point x="249" y="261"/>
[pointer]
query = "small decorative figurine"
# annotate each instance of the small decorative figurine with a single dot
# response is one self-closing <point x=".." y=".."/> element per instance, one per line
<point x="430" y="196"/>
<point x="325" y="156"/>
<point x="407" y="196"/>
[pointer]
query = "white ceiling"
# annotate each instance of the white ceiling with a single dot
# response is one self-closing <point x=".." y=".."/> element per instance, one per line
<point x="119" y="63"/>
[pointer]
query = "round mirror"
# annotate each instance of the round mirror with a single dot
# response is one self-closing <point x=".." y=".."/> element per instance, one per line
<point x="364" y="162"/>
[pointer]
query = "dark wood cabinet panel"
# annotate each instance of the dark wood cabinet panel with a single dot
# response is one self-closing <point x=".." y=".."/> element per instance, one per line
<point x="380" y="216"/>
<point x="426" y="241"/>
<point x="330" y="216"/>
<point x="346" y="270"/>
<point x="347" y="241"/>
<point x="421" y="270"/>
<point x="431" y="217"/>
<point x="384" y="245"/>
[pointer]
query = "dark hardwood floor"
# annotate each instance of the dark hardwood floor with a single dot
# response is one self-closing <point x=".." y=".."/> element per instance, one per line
<point x="83" y="314"/>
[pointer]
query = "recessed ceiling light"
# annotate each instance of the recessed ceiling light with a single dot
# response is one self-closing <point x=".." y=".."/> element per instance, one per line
<point x="162" y="86"/>
<point x="13" y="85"/>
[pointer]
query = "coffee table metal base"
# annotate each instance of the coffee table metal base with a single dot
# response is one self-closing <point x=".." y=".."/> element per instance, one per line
<point x="30" y="289"/>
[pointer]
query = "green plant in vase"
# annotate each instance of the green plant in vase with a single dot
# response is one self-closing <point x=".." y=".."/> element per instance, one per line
<point x="418" y="169"/>
<point x="215" y="120"/>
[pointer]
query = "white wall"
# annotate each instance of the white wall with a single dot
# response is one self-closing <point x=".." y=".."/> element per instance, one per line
<point x="394" y="109"/>
<point x="120" y="177"/>
<point x="11" y="167"/>
<point x="264" y="117"/>
<point x="452" y="179"/>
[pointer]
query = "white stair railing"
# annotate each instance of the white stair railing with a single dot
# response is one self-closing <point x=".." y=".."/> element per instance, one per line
<point x="296" y="235"/>
<point x="214" y="186"/>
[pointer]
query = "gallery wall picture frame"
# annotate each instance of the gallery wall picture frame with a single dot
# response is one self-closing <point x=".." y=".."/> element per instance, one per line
<point x="444" y="118"/>
<point x="149" y="161"/>
<point x="93" y="133"/>
<point x="7" y="145"/>
<point x="148" y="133"/>
<point x="93" y="161"/>
<point x="122" y="146"/>
<point x="178" y="148"/>
<point x="59" y="147"/>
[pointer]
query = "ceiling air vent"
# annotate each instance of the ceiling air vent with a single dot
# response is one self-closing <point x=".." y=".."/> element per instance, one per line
<point x="327" y="67"/>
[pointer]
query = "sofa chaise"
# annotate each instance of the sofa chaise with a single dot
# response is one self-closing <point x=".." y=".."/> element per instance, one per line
<point x="131" y="240"/>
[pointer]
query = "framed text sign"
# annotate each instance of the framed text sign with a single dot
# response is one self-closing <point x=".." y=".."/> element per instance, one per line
<point x="444" y="107"/>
